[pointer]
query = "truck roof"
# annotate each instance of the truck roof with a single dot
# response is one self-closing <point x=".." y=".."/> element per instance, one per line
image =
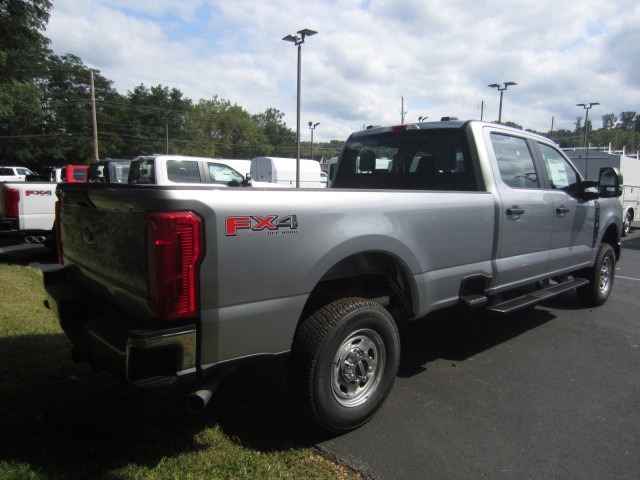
<point x="446" y="122"/>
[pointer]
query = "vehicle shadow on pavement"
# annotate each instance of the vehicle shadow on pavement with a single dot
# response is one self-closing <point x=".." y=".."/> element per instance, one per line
<point x="457" y="335"/>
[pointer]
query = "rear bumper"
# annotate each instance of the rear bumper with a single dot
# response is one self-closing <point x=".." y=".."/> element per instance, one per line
<point x="144" y="356"/>
<point x="9" y="226"/>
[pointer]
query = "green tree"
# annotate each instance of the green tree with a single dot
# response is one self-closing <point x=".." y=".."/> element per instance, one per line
<point x="153" y="116"/>
<point x="609" y="121"/>
<point x="22" y="50"/>
<point x="218" y="128"/>
<point x="627" y="121"/>
<point x="281" y="140"/>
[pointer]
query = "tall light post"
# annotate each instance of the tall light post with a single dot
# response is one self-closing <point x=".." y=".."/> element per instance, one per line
<point x="587" y="107"/>
<point x="312" y="127"/>
<point x="501" y="88"/>
<point x="298" y="40"/>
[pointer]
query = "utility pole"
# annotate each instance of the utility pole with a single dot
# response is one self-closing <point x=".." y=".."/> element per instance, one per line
<point x="403" y="112"/>
<point x="96" y="157"/>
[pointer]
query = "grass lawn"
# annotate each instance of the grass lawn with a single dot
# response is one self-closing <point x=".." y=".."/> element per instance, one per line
<point x="59" y="420"/>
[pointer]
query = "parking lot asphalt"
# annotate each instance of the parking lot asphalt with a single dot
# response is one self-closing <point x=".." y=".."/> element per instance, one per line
<point x="550" y="392"/>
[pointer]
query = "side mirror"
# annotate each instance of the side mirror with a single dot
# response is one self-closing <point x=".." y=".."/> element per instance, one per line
<point x="247" y="181"/>
<point x="610" y="183"/>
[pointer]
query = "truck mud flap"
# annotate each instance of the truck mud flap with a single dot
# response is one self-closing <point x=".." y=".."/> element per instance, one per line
<point x="538" y="296"/>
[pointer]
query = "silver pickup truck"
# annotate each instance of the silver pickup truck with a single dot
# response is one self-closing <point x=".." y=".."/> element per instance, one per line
<point x="178" y="285"/>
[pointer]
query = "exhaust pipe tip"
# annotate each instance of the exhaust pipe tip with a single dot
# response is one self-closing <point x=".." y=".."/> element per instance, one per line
<point x="40" y="239"/>
<point x="29" y="239"/>
<point x="197" y="401"/>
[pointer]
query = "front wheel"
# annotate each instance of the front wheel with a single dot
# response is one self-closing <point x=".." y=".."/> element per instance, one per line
<point x="600" y="278"/>
<point x="343" y="363"/>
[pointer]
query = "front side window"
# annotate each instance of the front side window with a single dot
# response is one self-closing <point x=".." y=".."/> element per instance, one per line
<point x="561" y="175"/>
<point x="515" y="162"/>
<point x="223" y="174"/>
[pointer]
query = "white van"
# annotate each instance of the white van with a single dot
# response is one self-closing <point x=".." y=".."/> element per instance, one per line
<point x="282" y="171"/>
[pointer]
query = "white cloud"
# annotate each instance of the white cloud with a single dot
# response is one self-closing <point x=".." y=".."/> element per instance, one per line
<point x="439" y="55"/>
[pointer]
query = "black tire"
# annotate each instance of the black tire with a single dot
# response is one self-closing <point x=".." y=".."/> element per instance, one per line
<point x="600" y="277"/>
<point x="343" y="363"/>
<point x="626" y="225"/>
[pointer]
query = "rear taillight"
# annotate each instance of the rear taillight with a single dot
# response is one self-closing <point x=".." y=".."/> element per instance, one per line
<point x="11" y="201"/>
<point x="174" y="249"/>
<point x="58" y="234"/>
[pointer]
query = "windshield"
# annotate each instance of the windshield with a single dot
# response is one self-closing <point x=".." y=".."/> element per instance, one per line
<point x="407" y="160"/>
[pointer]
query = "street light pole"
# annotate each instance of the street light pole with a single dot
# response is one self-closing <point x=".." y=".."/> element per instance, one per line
<point x="501" y="88"/>
<point x="587" y="107"/>
<point x="298" y="40"/>
<point x="312" y="127"/>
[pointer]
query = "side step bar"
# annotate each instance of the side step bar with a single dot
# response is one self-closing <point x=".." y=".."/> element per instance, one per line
<point x="532" y="298"/>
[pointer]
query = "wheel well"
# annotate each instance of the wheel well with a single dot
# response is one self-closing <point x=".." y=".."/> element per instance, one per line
<point x="630" y="213"/>
<point x="371" y="275"/>
<point x="612" y="238"/>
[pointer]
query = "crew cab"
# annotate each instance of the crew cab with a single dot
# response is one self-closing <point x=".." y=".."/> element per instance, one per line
<point x="186" y="170"/>
<point x="178" y="285"/>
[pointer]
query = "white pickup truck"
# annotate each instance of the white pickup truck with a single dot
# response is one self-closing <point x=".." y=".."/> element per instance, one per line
<point x="184" y="170"/>
<point x="27" y="208"/>
<point x="170" y="285"/>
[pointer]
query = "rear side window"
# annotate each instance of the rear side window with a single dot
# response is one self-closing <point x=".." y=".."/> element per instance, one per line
<point x="183" y="171"/>
<point x="515" y="162"/>
<point x="6" y="171"/>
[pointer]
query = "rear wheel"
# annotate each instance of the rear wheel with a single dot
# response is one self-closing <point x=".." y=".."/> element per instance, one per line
<point x="343" y="363"/>
<point x="626" y="225"/>
<point x="600" y="278"/>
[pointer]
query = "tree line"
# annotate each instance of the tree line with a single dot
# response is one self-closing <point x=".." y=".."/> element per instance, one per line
<point x="46" y="111"/>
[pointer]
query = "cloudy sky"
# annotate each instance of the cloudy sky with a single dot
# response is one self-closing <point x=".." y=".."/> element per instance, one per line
<point x="439" y="55"/>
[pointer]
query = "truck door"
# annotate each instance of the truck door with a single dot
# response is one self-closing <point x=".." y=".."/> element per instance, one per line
<point x="525" y="216"/>
<point x="573" y="219"/>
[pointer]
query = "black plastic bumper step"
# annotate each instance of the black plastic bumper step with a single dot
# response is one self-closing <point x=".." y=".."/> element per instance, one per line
<point x="538" y="296"/>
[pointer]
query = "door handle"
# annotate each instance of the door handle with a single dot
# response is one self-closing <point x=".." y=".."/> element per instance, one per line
<point x="515" y="210"/>
<point x="562" y="210"/>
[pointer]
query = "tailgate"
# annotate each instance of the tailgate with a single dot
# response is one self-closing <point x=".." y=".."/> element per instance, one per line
<point x="102" y="232"/>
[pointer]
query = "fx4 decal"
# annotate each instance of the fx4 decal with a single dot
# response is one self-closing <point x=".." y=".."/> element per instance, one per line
<point x="40" y="193"/>
<point x="272" y="224"/>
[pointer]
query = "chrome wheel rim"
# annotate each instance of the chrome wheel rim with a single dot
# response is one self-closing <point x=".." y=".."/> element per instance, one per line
<point x="357" y="368"/>
<point x="606" y="272"/>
